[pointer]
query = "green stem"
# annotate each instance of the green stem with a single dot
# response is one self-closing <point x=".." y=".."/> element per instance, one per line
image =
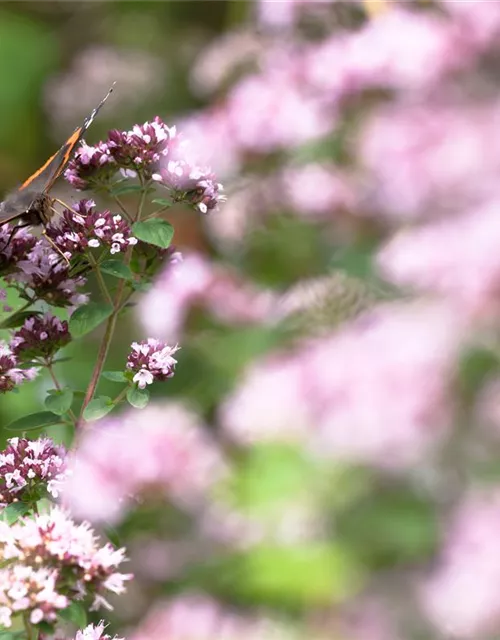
<point x="111" y="324"/>
<point x="29" y="629"/>
<point x="122" y="207"/>
<point x="120" y="396"/>
<point x="100" y="280"/>
<point x="50" y="369"/>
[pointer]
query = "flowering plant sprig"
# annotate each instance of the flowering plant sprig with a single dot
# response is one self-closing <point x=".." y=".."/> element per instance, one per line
<point x="48" y="562"/>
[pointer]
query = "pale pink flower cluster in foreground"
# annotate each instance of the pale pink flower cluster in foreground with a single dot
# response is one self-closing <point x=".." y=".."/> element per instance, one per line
<point x="49" y="560"/>
<point x="461" y="594"/>
<point x="164" y="447"/>
<point x="198" y="617"/>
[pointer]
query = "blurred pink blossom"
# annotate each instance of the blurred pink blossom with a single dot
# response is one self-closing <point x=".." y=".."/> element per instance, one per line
<point x="456" y="257"/>
<point x="164" y="447"/>
<point x="373" y="392"/>
<point x="423" y="158"/>
<point x="197" y="281"/>
<point x="198" y="617"/>
<point x="461" y="595"/>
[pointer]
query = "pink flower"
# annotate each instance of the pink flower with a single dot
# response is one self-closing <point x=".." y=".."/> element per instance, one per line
<point x="30" y="467"/>
<point x="374" y="392"/>
<point x="84" y="227"/>
<point x="196" y="281"/>
<point x="456" y="257"/>
<point x="10" y="374"/>
<point x="25" y="589"/>
<point x="40" y="336"/>
<point x="151" y="360"/>
<point x="163" y="447"/>
<point x="95" y="632"/>
<point x="429" y="157"/>
<point x="198" y="617"/>
<point x="461" y="594"/>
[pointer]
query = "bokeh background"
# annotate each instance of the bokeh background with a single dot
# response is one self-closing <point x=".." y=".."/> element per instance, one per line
<point x="325" y="462"/>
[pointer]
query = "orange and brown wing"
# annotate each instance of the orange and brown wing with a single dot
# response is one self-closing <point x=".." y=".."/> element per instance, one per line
<point x="43" y="179"/>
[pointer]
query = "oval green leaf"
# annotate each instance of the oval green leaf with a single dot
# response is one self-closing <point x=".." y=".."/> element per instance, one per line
<point x="117" y="269"/>
<point x="76" y="614"/>
<point x="114" y="376"/>
<point x="59" y="402"/>
<point x="14" y="511"/>
<point x="34" y="421"/>
<point x="98" y="408"/>
<point x="138" y="398"/>
<point x="155" y="231"/>
<point x="18" y="319"/>
<point x="122" y="189"/>
<point x="85" y="319"/>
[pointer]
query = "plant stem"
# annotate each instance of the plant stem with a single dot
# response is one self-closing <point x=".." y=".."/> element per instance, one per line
<point x="122" y="207"/>
<point x="29" y="629"/>
<point x="111" y="324"/>
<point x="50" y="369"/>
<point x="100" y="280"/>
<point x="120" y="396"/>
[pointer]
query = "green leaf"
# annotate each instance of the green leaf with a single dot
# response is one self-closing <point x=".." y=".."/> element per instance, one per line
<point x="34" y="421"/>
<point x="154" y="231"/>
<point x="114" y="376"/>
<point x="76" y="614"/>
<point x="85" y="319"/>
<point x="59" y="402"/>
<point x="117" y="269"/>
<point x="12" y="635"/>
<point x="98" y="408"/>
<point x="138" y="398"/>
<point x="18" y="319"/>
<point x="164" y="202"/>
<point x="14" y="511"/>
<point x="122" y="189"/>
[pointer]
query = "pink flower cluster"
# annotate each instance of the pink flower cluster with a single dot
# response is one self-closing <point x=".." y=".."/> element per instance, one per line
<point x="29" y="469"/>
<point x="48" y="560"/>
<point x="151" y="360"/>
<point x="47" y="277"/>
<point x="10" y="373"/>
<point x="162" y="447"/>
<point x="40" y="337"/>
<point x="199" y="617"/>
<point x="195" y="281"/>
<point x="95" y="632"/>
<point x="153" y="151"/>
<point x="375" y="392"/>
<point x="15" y="248"/>
<point x="83" y="228"/>
<point x="460" y="595"/>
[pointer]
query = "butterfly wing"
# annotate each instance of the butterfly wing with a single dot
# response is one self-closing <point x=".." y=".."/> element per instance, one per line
<point x="43" y="179"/>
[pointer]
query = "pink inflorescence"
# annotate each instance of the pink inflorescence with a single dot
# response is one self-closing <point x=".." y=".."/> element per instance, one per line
<point x="95" y="632"/>
<point x="14" y="247"/>
<point x="151" y="360"/>
<point x="153" y="151"/>
<point x="47" y="276"/>
<point x="199" y="616"/>
<point x="40" y="336"/>
<point x="163" y="447"/>
<point x="83" y="228"/>
<point x="70" y="558"/>
<point x="10" y="374"/>
<point x="28" y="468"/>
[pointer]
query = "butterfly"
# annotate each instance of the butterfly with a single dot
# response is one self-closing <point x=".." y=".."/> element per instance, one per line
<point x="30" y="204"/>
